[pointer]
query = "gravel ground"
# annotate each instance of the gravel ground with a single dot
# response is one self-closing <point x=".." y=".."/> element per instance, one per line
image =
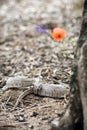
<point x="24" y="51"/>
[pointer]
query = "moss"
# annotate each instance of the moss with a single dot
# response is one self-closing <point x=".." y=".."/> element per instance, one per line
<point x="78" y="5"/>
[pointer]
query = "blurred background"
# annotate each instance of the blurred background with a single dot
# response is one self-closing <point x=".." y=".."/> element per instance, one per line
<point x="24" y="15"/>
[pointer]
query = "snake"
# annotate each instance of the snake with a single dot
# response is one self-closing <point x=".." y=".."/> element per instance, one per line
<point x="34" y="86"/>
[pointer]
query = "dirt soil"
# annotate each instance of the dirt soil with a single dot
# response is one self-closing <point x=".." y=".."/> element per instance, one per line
<point x="25" y="51"/>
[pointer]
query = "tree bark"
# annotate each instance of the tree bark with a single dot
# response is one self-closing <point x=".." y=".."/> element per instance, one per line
<point x="75" y="116"/>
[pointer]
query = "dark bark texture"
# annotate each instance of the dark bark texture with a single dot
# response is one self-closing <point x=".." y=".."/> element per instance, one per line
<point x="75" y="116"/>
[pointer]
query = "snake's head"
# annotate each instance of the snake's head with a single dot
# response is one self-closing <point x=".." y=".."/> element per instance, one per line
<point x="4" y="88"/>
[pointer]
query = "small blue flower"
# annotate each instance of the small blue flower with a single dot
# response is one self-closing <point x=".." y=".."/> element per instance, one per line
<point x="41" y="29"/>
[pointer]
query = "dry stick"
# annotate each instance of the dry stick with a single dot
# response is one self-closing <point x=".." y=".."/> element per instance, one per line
<point x="8" y="100"/>
<point x="11" y="124"/>
<point x="26" y="92"/>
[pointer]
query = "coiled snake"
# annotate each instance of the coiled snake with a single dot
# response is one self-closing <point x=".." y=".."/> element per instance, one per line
<point x="33" y="86"/>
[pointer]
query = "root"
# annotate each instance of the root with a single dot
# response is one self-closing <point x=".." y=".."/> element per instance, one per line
<point x="63" y="123"/>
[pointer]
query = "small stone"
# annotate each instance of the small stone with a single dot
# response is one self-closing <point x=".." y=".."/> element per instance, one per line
<point x="20" y="118"/>
<point x="55" y="124"/>
<point x="60" y="113"/>
<point x="31" y="126"/>
<point x="34" y="114"/>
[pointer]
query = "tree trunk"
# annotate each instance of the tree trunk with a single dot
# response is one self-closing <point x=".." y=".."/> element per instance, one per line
<point x="75" y="116"/>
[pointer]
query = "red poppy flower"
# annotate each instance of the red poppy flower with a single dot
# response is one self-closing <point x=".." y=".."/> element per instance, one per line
<point x="58" y="34"/>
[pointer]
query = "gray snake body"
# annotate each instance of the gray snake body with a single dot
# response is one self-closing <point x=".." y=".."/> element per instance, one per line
<point x="35" y="87"/>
